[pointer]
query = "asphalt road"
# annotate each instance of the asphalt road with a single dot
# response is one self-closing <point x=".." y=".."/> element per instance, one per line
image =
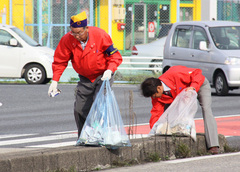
<point x="27" y="109"/>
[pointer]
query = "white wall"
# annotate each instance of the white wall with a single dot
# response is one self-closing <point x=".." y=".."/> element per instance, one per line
<point x="208" y="10"/>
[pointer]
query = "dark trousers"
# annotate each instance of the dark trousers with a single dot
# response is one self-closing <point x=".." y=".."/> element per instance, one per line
<point x="85" y="94"/>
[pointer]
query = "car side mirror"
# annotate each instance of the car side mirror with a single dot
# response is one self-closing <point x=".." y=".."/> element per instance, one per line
<point x="13" y="42"/>
<point x="203" y="46"/>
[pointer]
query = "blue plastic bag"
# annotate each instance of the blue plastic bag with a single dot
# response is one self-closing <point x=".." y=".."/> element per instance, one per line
<point x="104" y="125"/>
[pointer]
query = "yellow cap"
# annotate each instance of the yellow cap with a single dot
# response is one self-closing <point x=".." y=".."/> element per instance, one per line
<point x="79" y="20"/>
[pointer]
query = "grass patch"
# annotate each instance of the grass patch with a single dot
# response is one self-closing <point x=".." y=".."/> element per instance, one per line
<point x="153" y="157"/>
<point x="131" y="79"/>
<point x="134" y="78"/>
<point x="13" y="81"/>
<point x="73" y="80"/>
<point x="228" y="149"/>
<point x="182" y="151"/>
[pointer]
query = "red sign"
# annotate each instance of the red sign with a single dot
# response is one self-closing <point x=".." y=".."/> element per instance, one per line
<point x="151" y="29"/>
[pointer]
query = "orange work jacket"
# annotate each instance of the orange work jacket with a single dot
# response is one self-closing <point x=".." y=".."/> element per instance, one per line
<point x="176" y="78"/>
<point x="90" y="62"/>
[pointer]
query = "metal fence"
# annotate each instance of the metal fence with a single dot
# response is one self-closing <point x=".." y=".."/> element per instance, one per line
<point x="228" y="10"/>
<point x="46" y="21"/>
<point x="50" y="19"/>
<point x="144" y="21"/>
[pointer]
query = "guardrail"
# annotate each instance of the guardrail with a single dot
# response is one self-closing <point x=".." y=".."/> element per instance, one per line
<point x="138" y="63"/>
<point x="130" y="63"/>
<point x="141" y="63"/>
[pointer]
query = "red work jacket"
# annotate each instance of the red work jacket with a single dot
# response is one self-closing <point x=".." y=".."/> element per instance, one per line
<point x="90" y="62"/>
<point x="176" y="78"/>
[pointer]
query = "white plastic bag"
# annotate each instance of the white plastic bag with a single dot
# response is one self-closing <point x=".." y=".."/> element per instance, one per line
<point x="104" y="125"/>
<point x="179" y="117"/>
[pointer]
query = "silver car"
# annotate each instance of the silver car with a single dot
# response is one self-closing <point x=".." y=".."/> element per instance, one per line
<point x="212" y="46"/>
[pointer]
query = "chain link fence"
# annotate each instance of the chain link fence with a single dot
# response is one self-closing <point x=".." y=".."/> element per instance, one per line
<point x="228" y="10"/>
<point x="145" y="21"/>
<point x="55" y="17"/>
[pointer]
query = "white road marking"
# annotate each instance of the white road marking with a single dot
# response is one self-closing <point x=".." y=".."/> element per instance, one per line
<point x="58" y="136"/>
<point x="134" y="125"/>
<point x="37" y="139"/>
<point x="72" y="143"/>
<point x="200" y="158"/>
<point x="54" y="145"/>
<point x="65" y="132"/>
<point x="15" y="135"/>
<point x="137" y="136"/>
<point x="220" y="116"/>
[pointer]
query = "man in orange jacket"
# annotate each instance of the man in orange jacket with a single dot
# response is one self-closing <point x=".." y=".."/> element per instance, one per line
<point x="163" y="91"/>
<point x="93" y="57"/>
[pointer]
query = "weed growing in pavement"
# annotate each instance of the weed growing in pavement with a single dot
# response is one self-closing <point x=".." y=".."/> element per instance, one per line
<point x="200" y="153"/>
<point x="182" y="151"/>
<point x="153" y="157"/>
<point x="167" y="157"/>
<point x="131" y="116"/>
<point x="228" y="149"/>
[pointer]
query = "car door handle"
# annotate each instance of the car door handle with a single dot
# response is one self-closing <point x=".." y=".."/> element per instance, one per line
<point x="172" y="53"/>
<point x="192" y="55"/>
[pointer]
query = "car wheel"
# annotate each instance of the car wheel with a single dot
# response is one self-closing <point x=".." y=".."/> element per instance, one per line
<point x="34" y="74"/>
<point x="221" y="85"/>
<point x="157" y="67"/>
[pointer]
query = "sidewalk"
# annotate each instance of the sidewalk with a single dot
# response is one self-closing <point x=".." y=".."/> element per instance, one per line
<point x="94" y="158"/>
<point x="213" y="163"/>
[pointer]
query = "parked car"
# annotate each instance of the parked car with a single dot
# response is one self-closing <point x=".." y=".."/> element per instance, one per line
<point x="152" y="49"/>
<point x="22" y="57"/>
<point x="212" y="46"/>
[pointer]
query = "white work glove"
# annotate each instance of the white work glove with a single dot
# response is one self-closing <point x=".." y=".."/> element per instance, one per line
<point x="53" y="91"/>
<point x="107" y="75"/>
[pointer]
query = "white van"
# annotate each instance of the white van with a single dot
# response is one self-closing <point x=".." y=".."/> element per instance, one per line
<point x="212" y="46"/>
<point x="22" y="57"/>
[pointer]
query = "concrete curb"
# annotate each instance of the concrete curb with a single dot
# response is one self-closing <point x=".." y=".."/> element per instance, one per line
<point x="91" y="158"/>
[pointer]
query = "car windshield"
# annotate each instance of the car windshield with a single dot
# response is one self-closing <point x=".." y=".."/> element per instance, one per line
<point x="226" y="38"/>
<point x="25" y="37"/>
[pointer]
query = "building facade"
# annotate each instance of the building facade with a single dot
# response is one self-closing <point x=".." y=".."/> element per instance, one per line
<point x="129" y="22"/>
